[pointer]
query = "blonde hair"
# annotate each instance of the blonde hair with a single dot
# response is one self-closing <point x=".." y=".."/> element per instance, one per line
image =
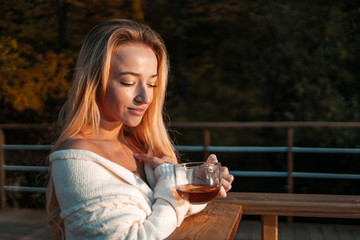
<point x="81" y="112"/>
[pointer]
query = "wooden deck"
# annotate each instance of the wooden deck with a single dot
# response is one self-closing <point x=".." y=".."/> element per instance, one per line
<point x="30" y="224"/>
<point x="251" y="230"/>
<point x="23" y="224"/>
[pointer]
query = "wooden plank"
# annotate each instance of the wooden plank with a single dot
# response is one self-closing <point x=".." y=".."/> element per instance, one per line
<point x="269" y="227"/>
<point x="345" y="234"/>
<point x="286" y="231"/>
<point x="217" y="221"/>
<point x="302" y="205"/>
<point x="315" y="232"/>
<point x="356" y="235"/>
<point x="16" y="224"/>
<point x="23" y="224"/>
<point x="302" y="232"/>
<point x="249" y="229"/>
<point x="330" y="233"/>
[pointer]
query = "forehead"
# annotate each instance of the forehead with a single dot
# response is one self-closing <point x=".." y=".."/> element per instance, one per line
<point x="134" y="57"/>
<point x="132" y="50"/>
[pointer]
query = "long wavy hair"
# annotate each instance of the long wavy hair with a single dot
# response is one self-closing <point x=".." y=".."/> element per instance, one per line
<point x="81" y="113"/>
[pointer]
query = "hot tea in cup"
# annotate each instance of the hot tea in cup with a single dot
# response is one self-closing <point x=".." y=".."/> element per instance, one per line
<point x="197" y="182"/>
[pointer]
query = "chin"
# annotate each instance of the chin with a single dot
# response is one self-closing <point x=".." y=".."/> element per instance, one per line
<point x="132" y="123"/>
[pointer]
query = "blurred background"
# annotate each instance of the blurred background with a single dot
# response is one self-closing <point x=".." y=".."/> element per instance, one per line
<point x="231" y="61"/>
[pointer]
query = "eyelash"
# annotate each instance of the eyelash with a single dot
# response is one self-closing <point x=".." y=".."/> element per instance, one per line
<point x="127" y="84"/>
<point x="132" y="84"/>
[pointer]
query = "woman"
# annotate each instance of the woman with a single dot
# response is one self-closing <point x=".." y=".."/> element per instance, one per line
<point x="111" y="174"/>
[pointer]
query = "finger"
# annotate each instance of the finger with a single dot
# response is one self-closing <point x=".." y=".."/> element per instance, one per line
<point x="151" y="160"/>
<point x="227" y="177"/>
<point x="226" y="185"/>
<point x="212" y="159"/>
<point x="222" y="193"/>
<point x="224" y="170"/>
<point x="142" y="157"/>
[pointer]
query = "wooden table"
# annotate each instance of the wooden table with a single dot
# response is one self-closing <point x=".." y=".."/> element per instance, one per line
<point x="271" y="205"/>
<point x="217" y="221"/>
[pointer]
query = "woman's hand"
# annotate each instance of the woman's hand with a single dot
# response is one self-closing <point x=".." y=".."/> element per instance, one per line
<point x="154" y="162"/>
<point x="226" y="180"/>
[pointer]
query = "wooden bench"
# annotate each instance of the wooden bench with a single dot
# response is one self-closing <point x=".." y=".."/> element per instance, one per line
<point x="217" y="221"/>
<point x="271" y="205"/>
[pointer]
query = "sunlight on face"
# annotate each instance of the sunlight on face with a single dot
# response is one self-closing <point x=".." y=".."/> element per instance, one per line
<point x="130" y="88"/>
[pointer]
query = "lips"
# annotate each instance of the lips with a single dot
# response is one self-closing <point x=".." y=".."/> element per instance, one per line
<point x="137" y="111"/>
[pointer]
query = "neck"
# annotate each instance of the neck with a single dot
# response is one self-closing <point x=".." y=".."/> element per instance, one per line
<point x="109" y="130"/>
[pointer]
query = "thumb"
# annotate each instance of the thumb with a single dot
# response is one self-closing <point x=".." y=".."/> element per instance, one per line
<point x="212" y="159"/>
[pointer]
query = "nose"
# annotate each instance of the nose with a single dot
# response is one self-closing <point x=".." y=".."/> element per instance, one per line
<point x="143" y="95"/>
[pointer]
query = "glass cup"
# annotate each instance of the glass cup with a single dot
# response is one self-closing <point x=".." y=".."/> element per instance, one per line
<point x="197" y="182"/>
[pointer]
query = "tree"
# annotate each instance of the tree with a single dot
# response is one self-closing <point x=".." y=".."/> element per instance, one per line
<point x="39" y="44"/>
<point x="30" y="85"/>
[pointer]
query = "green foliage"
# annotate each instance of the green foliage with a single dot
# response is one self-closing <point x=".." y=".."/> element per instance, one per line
<point x="230" y="60"/>
<point x="38" y="46"/>
<point x="270" y="60"/>
<point x="29" y="80"/>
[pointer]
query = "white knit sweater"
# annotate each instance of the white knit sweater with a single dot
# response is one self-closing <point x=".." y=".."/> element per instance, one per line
<point x="99" y="199"/>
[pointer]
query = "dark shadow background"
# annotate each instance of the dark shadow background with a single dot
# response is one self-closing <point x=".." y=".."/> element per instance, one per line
<point x="231" y="60"/>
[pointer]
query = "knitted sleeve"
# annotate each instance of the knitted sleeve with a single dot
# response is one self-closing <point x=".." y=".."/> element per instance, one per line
<point x="96" y="204"/>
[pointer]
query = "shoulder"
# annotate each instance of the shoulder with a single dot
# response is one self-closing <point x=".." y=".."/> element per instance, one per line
<point x="77" y="149"/>
<point x="76" y="143"/>
<point x="80" y="144"/>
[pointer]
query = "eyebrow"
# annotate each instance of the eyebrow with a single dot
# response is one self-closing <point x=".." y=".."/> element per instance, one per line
<point x="136" y="74"/>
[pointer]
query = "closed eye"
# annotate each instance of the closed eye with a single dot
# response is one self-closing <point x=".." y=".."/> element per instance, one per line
<point x="127" y="84"/>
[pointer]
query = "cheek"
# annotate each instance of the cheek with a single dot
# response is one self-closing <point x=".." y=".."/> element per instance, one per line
<point x="117" y="96"/>
<point x="152" y="94"/>
<point x="110" y="96"/>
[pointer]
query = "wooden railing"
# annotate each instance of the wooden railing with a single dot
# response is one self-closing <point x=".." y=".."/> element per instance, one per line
<point x="272" y="205"/>
<point x="290" y="149"/>
<point x="206" y="147"/>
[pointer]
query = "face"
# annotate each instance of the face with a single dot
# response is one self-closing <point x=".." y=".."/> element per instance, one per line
<point x="131" y="83"/>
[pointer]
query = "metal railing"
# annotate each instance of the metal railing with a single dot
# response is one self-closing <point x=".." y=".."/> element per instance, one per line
<point x="206" y="148"/>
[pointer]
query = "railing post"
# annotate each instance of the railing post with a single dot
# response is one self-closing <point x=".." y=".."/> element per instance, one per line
<point x="207" y="142"/>
<point x="290" y="164"/>
<point x="269" y="227"/>
<point x="2" y="170"/>
<point x="290" y="159"/>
